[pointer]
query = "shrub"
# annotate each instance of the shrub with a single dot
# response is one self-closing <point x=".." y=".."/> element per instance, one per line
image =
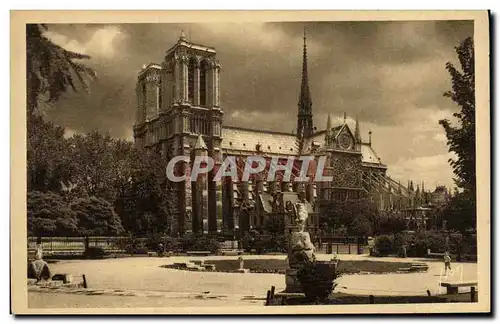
<point x="200" y="243"/>
<point x="391" y="223"/>
<point x="463" y="245"/>
<point x="153" y="241"/>
<point x="247" y="242"/>
<point x="417" y="244"/>
<point x="136" y="246"/>
<point x="383" y="245"/>
<point x="317" y="280"/>
<point x="94" y="252"/>
<point x="281" y="243"/>
<point x="435" y="242"/>
<point x="173" y="244"/>
<point x="270" y="243"/>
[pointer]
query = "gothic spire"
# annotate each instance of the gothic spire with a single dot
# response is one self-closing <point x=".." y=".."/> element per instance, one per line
<point x="329" y="123"/>
<point x="183" y="37"/>
<point x="305" y="94"/>
<point x="328" y="130"/>
<point x="357" y="134"/>
<point x="304" y="123"/>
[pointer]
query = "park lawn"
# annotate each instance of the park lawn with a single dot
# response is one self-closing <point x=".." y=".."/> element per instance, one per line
<point x="280" y="266"/>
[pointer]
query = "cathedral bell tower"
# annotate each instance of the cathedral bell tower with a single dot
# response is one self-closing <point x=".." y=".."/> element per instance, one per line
<point x="304" y="117"/>
<point x="192" y="87"/>
<point x="179" y="103"/>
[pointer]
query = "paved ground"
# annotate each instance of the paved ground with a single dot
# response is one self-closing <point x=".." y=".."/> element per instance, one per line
<point x="184" y="288"/>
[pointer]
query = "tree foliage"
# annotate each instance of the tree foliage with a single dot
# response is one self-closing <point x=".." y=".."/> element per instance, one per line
<point x="461" y="138"/>
<point x="83" y="184"/>
<point x="357" y="216"/>
<point x="48" y="158"/>
<point x="49" y="214"/>
<point x="50" y="69"/>
<point x="101" y="165"/>
<point x="143" y="201"/>
<point x="390" y="223"/>
<point x="461" y="211"/>
<point x="96" y="217"/>
<point x="97" y="165"/>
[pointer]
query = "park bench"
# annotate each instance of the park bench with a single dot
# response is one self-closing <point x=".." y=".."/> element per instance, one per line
<point x="198" y="253"/>
<point x="452" y="287"/>
<point x="434" y="254"/>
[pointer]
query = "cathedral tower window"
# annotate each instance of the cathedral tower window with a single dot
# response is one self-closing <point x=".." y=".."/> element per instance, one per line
<point x="203" y="83"/>
<point x="191" y="71"/>
<point x="160" y="95"/>
<point x="144" y="93"/>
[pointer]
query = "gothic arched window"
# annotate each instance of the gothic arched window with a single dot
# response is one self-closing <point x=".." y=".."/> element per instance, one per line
<point x="191" y="67"/>
<point x="144" y="94"/>
<point x="160" y="94"/>
<point x="203" y="83"/>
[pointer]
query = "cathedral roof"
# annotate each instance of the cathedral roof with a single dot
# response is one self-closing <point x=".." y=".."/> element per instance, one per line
<point x="252" y="140"/>
<point x="238" y="139"/>
<point x="336" y="130"/>
<point x="318" y="139"/>
<point x="369" y="155"/>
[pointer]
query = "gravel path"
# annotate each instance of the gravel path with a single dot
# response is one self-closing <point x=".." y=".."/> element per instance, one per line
<point x="145" y="274"/>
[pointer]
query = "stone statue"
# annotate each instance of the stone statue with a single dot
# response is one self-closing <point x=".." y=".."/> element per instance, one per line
<point x="242" y="263"/>
<point x="300" y="248"/>
<point x="39" y="269"/>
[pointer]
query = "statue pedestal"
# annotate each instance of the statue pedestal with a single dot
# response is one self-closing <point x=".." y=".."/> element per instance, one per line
<point x="292" y="281"/>
<point x="243" y="271"/>
<point x="301" y="251"/>
<point x="300" y="248"/>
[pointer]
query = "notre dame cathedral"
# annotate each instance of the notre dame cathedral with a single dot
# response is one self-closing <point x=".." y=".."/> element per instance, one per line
<point x="179" y="113"/>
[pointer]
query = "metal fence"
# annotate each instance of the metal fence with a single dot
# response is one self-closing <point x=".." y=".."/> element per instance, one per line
<point x="340" y="248"/>
<point x="76" y="245"/>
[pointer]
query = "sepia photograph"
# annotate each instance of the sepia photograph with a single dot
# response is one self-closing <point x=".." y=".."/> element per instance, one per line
<point x="250" y="162"/>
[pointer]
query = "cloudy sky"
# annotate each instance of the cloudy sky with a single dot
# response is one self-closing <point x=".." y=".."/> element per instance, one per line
<point x="391" y="75"/>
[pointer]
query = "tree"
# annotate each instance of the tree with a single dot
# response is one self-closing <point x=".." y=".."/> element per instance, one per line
<point x="48" y="158"/>
<point x="143" y="202"/>
<point x="96" y="217"/>
<point x="462" y="139"/>
<point x="51" y="69"/>
<point x="357" y="215"/>
<point x="49" y="215"/>
<point x="360" y="226"/>
<point x="460" y="213"/>
<point x="100" y="164"/>
<point x="390" y="223"/>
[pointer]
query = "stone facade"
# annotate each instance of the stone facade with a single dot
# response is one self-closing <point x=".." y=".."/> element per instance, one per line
<point x="178" y="112"/>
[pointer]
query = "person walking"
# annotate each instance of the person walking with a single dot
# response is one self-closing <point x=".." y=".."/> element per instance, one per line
<point x="447" y="262"/>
